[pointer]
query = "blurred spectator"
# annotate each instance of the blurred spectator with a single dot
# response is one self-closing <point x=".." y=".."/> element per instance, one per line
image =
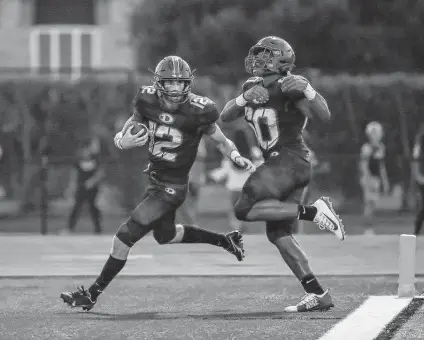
<point x="234" y="177"/>
<point x="418" y="174"/>
<point x="41" y="133"/>
<point x="187" y="213"/>
<point x="373" y="168"/>
<point x="85" y="184"/>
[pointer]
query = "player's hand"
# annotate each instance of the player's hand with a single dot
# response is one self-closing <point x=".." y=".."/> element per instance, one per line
<point x="256" y="94"/>
<point x="244" y="163"/>
<point x="294" y="85"/>
<point x="129" y="141"/>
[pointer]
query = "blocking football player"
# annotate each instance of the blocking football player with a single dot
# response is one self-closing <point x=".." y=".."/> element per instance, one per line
<point x="277" y="105"/>
<point x="176" y="119"/>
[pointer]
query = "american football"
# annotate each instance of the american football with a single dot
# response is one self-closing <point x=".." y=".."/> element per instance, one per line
<point x="137" y="127"/>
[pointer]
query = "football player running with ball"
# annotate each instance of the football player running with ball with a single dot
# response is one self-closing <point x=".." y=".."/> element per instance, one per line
<point x="277" y="105"/>
<point x="175" y="119"/>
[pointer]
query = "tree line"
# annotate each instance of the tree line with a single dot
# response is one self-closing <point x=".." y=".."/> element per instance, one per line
<point x="355" y="36"/>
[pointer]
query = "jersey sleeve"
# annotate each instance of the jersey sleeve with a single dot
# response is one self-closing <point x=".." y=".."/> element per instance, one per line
<point x="249" y="83"/>
<point x="209" y="114"/>
<point x="146" y="95"/>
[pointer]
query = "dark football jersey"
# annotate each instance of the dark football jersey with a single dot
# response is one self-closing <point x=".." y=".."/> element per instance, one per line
<point x="277" y="123"/>
<point x="175" y="136"/>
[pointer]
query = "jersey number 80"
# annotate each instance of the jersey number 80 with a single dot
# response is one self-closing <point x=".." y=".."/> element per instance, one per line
<point x="264" y="123"/>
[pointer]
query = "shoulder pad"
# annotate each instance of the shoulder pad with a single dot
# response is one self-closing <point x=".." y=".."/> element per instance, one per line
<point x="145" y="94"/>
<point x="207" y="111"/>
<point x="251" y="82"/>
<point x="199" y="101"/>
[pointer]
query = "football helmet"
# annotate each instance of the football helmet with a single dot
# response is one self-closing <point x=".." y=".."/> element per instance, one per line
<point x="270" y="55"/>
<point x="173" y="68"/>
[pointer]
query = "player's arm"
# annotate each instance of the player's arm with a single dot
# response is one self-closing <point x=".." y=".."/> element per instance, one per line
<point x="314" y="107"/>
<point x="309" y="101"/>
<point x="227" y="147"/>
<point x="364" y="161"/>
<point x="234" y="109"/>
<point x="252" y="92"/>
<point x="383" y="173"/>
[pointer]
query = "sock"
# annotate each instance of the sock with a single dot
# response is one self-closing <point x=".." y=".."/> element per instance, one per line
<point x="194" y="234"/>
<point x="311" y="285"/>
<point x="307" y="212"/>
<point x="111" y="268"/>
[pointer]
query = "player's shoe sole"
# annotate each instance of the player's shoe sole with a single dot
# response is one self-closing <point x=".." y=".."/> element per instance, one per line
<point x="326" y="217"/>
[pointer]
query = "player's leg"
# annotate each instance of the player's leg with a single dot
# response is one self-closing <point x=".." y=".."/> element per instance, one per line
<point x="264" y="195"/>
<point x="166" y="231"/>
<point x="187" y="211"/>
<point x="94" y="210"/>
<point x="79" y="199"/>
<point x="130" y="232"/>
<point x="234" y="222"/>
<point x="419" y="219"/>
<point x="280" y="233"/>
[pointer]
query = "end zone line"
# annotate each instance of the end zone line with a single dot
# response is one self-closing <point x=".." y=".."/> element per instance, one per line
<point x="369" y="320"/>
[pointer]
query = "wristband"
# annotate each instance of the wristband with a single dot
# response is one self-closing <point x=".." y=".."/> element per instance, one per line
<point x="309" y="92"/>
<point x="240" y="101"/>
<point x="234" y="154"/>
<point x="117" y="140"/>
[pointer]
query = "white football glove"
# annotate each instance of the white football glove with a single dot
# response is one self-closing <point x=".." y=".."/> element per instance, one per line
<point x="242" y="162"/>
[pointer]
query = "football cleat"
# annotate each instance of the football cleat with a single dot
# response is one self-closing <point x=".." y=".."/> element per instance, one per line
<point x="235" y="241"/>
<point x="326" y="218"/>
<point x="80" y="298"/>
<point x="312" y="302"/>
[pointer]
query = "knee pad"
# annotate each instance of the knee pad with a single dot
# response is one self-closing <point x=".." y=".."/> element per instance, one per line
<point x="169" y="235"/>
<point x="131" y="232"/>
<point x="278" y="229"/>
<point x="119" y="249"/>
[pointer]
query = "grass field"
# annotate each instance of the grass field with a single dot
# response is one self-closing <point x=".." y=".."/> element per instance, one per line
<point x="198" y="291"/>
<point x="180" y="308"/>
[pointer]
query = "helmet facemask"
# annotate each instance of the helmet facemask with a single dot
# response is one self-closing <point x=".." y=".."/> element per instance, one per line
<point x="176" y="91"/>
<point x="262" y="61"/>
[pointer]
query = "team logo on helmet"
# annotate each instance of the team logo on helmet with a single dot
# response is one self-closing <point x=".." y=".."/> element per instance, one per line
<point x="166" y="118"/>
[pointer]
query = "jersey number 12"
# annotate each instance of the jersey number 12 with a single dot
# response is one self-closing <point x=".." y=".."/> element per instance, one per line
<point x="164" y="139"/>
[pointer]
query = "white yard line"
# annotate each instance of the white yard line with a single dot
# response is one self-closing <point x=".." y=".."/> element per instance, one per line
<point x="93" y="257"/>
<point x="368" y="320"/>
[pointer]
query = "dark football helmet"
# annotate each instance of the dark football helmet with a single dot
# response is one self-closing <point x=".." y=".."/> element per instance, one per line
<point x="173" y="68"/>
<point x="270" y="55"/>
